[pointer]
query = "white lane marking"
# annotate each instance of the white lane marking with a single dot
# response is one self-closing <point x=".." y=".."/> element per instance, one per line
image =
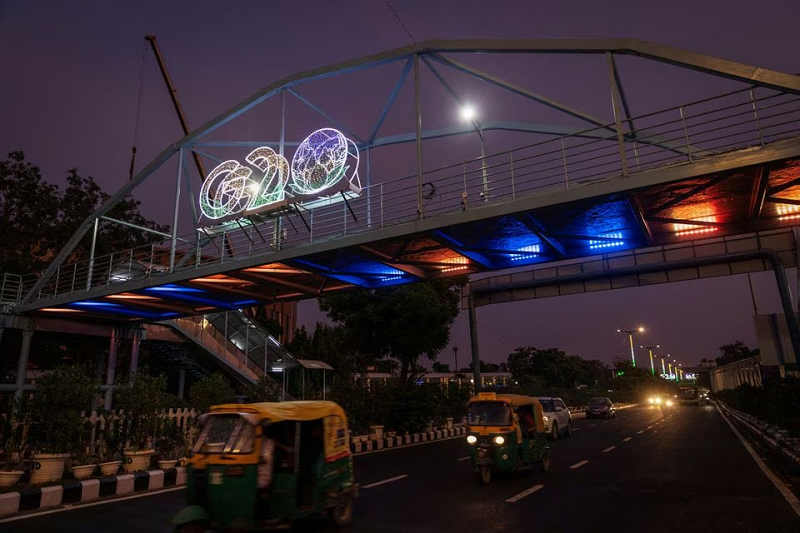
<point x="640" y="432"/>
<point x="82" y="505"/>
<point x="649" y="427"/>
<point x="576" y="429"/>
<point x="462" y="458"/>
<point x="391" y="479"/>
<point x="626" y="439"/>
<point x="780" y="485"/>
<point x="609" y="449"/>
<point x="592" y="425"/>
<point x="524" y="493"/>
<point x="578" y="465"/>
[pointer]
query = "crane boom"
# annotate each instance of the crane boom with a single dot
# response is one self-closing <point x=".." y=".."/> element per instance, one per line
<point x="173" y="94"/>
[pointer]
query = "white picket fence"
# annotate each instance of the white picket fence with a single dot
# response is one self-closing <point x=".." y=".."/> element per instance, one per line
<point x="184" y="417"/>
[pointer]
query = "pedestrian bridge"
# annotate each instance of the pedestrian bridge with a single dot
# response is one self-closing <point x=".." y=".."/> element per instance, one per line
<point x="721" y="166"/>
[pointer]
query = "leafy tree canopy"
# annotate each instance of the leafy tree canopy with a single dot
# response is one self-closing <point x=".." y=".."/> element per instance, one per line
<point x="405" y="322"/>
<point x="37" y="218"/>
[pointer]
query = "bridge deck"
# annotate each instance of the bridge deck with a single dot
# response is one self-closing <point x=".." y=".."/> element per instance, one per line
<point x="715" y="168"/>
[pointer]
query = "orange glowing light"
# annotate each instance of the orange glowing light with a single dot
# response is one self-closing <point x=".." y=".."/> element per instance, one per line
<point x="695" y="229"/>
<point x="59" y="310"/>
<point x="220" y="279"/>
<point x="131" y="296"/>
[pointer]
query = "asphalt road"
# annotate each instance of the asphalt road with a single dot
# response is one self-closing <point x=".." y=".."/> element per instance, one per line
<point x="641" y="472"/>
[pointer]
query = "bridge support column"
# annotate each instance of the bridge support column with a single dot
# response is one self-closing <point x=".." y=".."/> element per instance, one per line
<point x="111" y="368"/>
<point x="181" y="383"/>
<point x="22" y="362"/>
<point x="136" y="342"/>
<point x="473" y="340"/>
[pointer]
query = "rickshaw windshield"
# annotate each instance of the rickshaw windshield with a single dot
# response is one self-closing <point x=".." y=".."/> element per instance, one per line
<point x="228" y="433"/>
<point x="489" y="414"/>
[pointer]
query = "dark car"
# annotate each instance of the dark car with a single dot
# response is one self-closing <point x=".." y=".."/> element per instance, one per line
<point x="601" y="408"/>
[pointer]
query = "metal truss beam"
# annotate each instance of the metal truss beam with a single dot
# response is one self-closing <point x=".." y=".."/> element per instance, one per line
<point x="678" y="198"/>
<point x="636" y="207"/>
<point x="757" y="197"/>
<point x="519" y="90"/>
<point x="392" y="98"/>
<point x="389" y="261"/>
<point x="324" y="115"/>
<point x="532" y="224"/>
<point x="449" y="242"/>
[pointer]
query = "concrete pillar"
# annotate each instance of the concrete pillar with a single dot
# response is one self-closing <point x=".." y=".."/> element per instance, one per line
<point x="111" y="367"/>
<point x="135" y="353"/>
<point x="181" y="382"/>
<point x="22" y="362"/>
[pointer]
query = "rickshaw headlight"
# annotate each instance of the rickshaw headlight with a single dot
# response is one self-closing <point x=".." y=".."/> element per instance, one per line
<point x="472" y="439"/>
<point x="499" y="440"/>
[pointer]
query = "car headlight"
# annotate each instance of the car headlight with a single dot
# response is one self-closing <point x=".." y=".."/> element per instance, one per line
<point x="546" y="419"/>
<point x="658" y="400"/>
<point x="499" y="440"/>
<point x="669" y="403"/>
<point x="472" y="439"/>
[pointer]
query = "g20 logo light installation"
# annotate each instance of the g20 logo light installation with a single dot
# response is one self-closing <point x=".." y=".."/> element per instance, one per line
<point x="323" y="159"/>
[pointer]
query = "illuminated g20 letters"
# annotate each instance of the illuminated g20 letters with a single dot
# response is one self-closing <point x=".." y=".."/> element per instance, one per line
<point x="321" y="161"/>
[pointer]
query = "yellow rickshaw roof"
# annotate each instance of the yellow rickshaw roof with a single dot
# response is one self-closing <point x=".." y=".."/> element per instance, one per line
<point x="514" y="399"/>
<point x="276" y="411"/>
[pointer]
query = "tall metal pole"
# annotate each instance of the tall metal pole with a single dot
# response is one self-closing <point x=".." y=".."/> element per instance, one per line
<point x="633" y="355"/>
<point x="473" y="339"/>
<point x="650" y="349"/>
<point x="418" y="106"/>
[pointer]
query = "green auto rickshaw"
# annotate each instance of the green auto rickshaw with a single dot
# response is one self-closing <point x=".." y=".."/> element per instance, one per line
<point x="261" y="465"/>
<point x="506" y="433"/>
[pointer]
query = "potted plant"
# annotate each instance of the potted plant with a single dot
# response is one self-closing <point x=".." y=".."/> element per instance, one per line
<point x="170" y="445"/>
<point x="14" y="439"/>
<point x="142" y="400"/>
<point x="83" y="465"/>
<point x="57" y="420"/>
<point x="110" y="444"/>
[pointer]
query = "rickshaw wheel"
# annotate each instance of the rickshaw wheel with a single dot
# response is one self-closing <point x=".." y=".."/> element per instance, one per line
<point x="191" y="527"/>
<point x="342" y="513"/>
<point x="546" y="463"/>
<point x="486" y="474"/>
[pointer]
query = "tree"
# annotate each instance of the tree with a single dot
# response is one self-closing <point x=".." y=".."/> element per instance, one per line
<point x="735" y="351"/>
<point x="405" y="322"/>
<point x="441" y="367"/>
<point x="210" y="390"/>
<point x="38" y="218"/>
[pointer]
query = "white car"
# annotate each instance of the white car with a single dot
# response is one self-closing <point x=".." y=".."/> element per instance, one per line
<point x="557" y="418"/>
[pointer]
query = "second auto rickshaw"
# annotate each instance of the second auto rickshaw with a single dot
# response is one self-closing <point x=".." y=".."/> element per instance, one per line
<point x="260" y="465"/>
<point x="506" y="434"/>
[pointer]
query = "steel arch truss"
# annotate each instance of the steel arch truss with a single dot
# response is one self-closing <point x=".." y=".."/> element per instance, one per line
<point x="503" y="210"/>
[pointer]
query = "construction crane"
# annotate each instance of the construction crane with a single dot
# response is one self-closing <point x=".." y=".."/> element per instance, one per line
<point x="173" y="94"/>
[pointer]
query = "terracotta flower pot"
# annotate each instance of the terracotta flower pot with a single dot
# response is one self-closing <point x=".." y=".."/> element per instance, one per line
<point x="110" y="468"/>
<point x="11" y="478"/>
<point x="166" y="464"/>
<point x="83" y="471"/>
<point x="137" y="461"/>
<point x="48" y="467"/>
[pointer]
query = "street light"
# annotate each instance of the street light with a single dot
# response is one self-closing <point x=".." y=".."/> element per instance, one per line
<point x="650" y="349"/>
<point x="630" y="333"/>
<point x="469" y="114"/>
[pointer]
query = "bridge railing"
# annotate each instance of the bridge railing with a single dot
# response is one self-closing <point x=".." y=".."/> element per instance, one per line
<point x="684" y="134"/>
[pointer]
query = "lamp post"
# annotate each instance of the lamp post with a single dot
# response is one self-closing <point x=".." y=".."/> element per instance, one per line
<point x="455" y="354"/>
<point x="630" y="333"/>
<point x="650" y="349"/>
<point x="663" y="368"/>
<point x="468" y="113"/>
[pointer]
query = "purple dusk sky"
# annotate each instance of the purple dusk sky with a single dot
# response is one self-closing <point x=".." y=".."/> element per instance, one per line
<point x="68" y="96"/>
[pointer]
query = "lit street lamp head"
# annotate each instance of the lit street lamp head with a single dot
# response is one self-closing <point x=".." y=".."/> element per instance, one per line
<point x="468" y="112"/>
